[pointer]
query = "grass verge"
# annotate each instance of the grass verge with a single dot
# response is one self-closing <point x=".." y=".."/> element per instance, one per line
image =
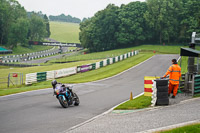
<point x="23" y="50"/>
<point x="6" y="70"/>
<point x="137" y="103"/>
<point x="194" y="128"/>
<point x="94" y="75"/>
<point x="110" y="70"/>
<point x="112" y="53"/>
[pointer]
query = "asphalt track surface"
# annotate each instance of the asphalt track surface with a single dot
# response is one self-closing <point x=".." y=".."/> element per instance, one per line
<point x="40" y="112"/>
<point x="148" y="120"/>
<point x="43" y="60"/>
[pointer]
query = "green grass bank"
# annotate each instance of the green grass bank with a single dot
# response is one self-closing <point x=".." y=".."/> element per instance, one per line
<point x="137" y="103"/>
<point x="193" y="128"/>
<point x="65" y="32"/>
<point x="146" y="52"/>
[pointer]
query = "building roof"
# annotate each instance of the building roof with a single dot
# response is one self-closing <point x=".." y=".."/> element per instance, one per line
<point x="190" y="52"/>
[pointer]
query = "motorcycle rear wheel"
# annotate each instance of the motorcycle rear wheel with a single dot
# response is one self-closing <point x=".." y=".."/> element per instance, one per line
<point x="63" y="102"/>
<point x="76" y="99"/>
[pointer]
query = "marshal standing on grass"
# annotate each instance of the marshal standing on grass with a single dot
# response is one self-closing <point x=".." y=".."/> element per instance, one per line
<point x="174" y="73"/>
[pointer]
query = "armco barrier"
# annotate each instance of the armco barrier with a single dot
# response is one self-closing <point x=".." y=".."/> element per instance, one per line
<point x="93" y="66"/>
<point x="50" y="75"/>
<point x="97" y="65"/>
<point x="42" y="76"/>
<point x="25" y="57"/>
<point x="65" y="72"/>
<point x="196" y="84"/>
<point x="105" y="62"/>
<point x="31" y="78"/>
<point x="101" y="64"/>
<point x="84" y="68"/>
<point x="17" y="65"/>
<point x="108" y="61"/>
<point x="116" y="59"/>
<point x="112" y="60"/>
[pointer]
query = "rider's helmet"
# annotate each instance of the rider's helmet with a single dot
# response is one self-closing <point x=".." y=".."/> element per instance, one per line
<point x="53" y="83"/>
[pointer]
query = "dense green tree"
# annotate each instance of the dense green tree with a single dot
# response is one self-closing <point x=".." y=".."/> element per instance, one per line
<point x="46" y="20"/>
<point x="132" y="28"/>
<point x="18" y="33"/>
<point x="98" y="33"/>
<point x="85" y="36"/>
<point x="16" y="27"/>
<point x="170" y="21"/>
<point x="5" y="20"/>
<point x="10" y="12"/>
<point x="162" y="16"/>
<point x="189" y="19"/>
<point x="153" y="21"/>
<point x="37" y="28"/>
<point x="84" y="19"/>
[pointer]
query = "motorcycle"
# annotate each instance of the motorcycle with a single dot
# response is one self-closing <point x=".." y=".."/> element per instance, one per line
<point x="65" y="95"/>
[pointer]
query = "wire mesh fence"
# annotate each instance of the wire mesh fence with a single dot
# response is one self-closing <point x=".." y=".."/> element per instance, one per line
<point x="3" y="82"/>
<point x="13" y="79"/>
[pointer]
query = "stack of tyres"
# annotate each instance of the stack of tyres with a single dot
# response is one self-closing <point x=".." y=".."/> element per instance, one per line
<point x="162" y="92"/>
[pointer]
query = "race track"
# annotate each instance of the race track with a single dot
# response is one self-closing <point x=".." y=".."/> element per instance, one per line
<point x="40" y="112"/>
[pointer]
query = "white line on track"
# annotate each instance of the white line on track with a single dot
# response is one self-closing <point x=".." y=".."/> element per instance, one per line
<point x="90" y="120"/>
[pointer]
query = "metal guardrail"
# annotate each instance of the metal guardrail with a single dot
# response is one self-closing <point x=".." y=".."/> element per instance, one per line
<point x="16" y="65"/>
<point x="196" y="84"/>
<point x="29" y="56"/>
<point x="42" y="76"/>
<point x="190" y="83"/>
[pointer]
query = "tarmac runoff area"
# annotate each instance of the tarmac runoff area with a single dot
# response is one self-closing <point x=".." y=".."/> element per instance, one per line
<point x="182" y="110"/>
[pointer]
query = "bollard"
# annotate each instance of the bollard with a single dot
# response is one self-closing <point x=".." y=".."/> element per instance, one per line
<point x="131" y="96"/>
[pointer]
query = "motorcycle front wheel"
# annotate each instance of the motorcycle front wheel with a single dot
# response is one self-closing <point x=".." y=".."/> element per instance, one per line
<point x="63" y="102"/>
<point x="76" y="99"/>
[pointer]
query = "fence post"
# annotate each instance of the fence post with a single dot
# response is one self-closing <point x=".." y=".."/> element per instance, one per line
<point x="8" y="79"/>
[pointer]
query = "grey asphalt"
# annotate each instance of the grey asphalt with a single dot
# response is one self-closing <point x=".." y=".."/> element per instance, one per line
<point x="143" y="120"/>
<point x="39" y="111"/>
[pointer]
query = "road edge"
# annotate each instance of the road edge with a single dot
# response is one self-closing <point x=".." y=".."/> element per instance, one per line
<point x="171" y="126"/>
<point x="95" y="117"/>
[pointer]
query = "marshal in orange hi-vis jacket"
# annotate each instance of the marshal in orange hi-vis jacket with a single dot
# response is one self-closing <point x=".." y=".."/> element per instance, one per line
<point x="174" y="73"/>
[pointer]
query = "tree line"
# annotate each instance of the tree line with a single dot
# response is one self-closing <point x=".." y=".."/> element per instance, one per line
<point x="153" y="21"/>
<point x="64" y="18"/>
<point x="18" y="27"/>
